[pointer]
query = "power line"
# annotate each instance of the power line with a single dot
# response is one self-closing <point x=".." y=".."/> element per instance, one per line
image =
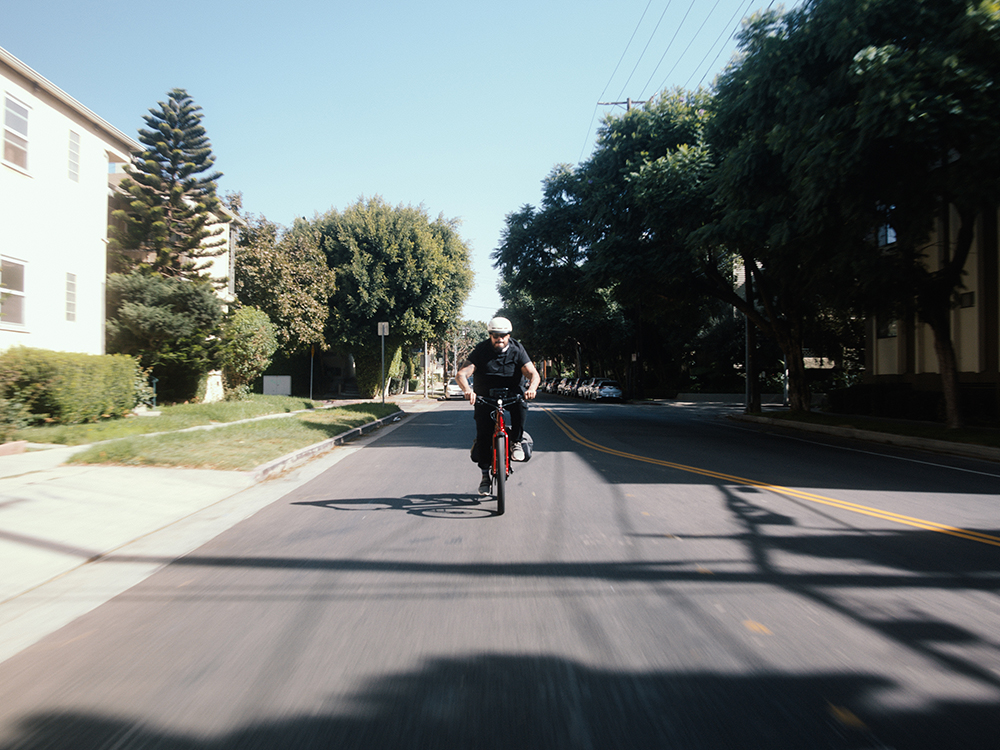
<point x="724" y="30"/>
<point x="644" y="49"/>
<point x="586" y="140"/>
<point x="671" y="43"/>
<point x="716" y="60"/>
<point x="693" y="37"/>
<point x="624" y="51"/>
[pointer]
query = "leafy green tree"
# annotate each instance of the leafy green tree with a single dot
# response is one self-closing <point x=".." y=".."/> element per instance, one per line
<point x="249" y="341"/>
<point x="850" y="116"/>
<point x="169" y="325"/>
<point x="162" y="219"/>
<point x="395" y="265"/>
<point x="284" y="273"/>
<point x="597" y="257"/>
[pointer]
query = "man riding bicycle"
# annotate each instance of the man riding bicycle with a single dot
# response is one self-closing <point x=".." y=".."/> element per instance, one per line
<point x="498" y="362"/>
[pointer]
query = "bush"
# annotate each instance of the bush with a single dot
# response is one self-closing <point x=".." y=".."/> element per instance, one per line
<point x="68" y="387"/>
<point x="249" y="342"/>
<point x="170" y="325"/>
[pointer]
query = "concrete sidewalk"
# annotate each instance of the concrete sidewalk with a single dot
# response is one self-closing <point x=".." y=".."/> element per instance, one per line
<point x="74" y="536"/>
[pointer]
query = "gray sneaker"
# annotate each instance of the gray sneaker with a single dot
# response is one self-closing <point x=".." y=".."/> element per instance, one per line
<point x="486" y="485"/>
<point x="517" y="452"/>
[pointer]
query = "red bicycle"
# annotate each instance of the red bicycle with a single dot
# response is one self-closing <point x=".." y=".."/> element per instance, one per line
<point x="500" y="463"/>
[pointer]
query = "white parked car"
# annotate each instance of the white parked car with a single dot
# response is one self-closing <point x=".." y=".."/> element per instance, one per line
<point x="606" y="390"/>
<point x="453" y="389"/>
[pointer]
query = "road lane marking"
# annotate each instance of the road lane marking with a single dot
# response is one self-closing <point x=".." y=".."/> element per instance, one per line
<point x="757" y="627"/>
<point x="920" y="523"/>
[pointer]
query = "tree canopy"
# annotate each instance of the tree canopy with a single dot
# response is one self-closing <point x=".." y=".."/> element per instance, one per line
<point x="163" y="216"/>
<point x="392" y="264"/>
<point x="843" y="138"/>
<point x="284" y="273"/>
<point x="848" y="122"/>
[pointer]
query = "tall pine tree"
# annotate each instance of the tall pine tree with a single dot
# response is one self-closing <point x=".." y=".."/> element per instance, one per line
<point x="163" y="222"/>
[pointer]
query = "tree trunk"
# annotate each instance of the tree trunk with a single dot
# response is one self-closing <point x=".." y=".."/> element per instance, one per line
<point x="934" y="305"/>
<point x="798" y="388"/>
<point x="948" y="365"/>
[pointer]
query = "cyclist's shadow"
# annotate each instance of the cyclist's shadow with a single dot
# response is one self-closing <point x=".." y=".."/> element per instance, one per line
<point x="443" y="505"/>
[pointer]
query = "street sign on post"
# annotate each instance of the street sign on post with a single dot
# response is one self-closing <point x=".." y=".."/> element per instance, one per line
<point x="383" y="331"/>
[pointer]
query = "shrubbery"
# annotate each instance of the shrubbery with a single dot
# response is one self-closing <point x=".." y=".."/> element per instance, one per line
<point x="172" y="326"/>
<point x="249" y="343"/>
<point x="39" y="385"/>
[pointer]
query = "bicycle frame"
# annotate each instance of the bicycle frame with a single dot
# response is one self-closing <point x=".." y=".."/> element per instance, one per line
<point x="500" y="428"/>
<point x="500" y="465"/>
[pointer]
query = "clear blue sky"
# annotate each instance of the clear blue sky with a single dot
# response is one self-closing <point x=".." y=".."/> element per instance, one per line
<point x="459" y="106"/>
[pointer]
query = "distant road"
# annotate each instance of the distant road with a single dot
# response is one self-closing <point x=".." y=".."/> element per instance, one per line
<point x="663" y="578"/>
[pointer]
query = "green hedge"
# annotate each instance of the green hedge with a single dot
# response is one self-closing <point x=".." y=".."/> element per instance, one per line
<point x="69" y="387"/>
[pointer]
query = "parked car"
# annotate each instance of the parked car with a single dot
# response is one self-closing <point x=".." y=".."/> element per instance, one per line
<point x="568" y="385"/>
<point x="606" y="390"/>
<point x="453" y="390"/>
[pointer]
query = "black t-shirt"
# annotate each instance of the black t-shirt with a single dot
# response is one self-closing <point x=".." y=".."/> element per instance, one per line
<point x="498" y="369"/>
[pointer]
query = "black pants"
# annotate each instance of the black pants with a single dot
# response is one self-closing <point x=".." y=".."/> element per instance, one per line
<point x="484" y="428"/>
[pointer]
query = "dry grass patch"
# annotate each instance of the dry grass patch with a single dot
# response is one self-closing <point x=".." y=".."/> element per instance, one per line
<point x="239" y="447"/>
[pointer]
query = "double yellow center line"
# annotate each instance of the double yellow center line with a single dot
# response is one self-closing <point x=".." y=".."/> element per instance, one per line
<point x="973" y="536"/>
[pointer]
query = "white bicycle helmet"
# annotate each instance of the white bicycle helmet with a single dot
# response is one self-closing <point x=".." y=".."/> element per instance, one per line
<point x="499" y="325"/>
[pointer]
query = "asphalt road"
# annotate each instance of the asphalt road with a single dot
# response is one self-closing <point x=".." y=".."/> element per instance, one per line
<point x="663" y="578"/>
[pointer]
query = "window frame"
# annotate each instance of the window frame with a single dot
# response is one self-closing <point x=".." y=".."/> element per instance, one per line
<point x="73" y="158"/>
<point x="71" y="288"/>
<point x="6" y="293"/>
<point x="11" y="135"/>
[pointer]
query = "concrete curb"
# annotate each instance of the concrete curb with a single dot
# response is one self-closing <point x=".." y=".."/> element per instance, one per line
<point x="904" y="441"/>
<point x="282" y="463"/>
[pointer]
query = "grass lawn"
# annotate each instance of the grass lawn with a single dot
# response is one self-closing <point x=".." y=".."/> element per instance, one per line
<point x="171" y="418"/>
<point x="238" y="447"/>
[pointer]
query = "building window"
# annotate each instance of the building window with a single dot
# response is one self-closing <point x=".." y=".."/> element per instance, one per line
<point x="887" y="329"/>
<point x="74" y="156"/>
<point x="15" y="133"/>
<point x="71" y="296"/>
<point x="11" y="292"/>
<point x="886" y="236"/>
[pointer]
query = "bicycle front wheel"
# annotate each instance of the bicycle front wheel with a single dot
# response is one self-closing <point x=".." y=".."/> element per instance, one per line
<point x="500" y="476"/>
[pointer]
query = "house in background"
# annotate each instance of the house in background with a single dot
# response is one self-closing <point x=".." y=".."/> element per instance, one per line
<point x="900" y="359"/>
<point x="54" y="188"/>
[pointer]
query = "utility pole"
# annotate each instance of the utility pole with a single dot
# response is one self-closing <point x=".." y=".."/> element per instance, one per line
<point x="628" y="104"/>
<point x="752" y="404"/>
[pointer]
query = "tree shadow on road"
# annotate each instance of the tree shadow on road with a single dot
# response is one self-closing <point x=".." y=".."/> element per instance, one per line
<point x="501" y="701"/>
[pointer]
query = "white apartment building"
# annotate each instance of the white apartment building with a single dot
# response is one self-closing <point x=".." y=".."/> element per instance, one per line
<point x="54" y="188"/>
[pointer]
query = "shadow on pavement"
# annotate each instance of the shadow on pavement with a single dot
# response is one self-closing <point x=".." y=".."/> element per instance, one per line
<point x="498" y="701"/>
<point x="444" y="505"/>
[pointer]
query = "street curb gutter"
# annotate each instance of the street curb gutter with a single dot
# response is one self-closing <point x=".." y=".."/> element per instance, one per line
<point x="263" y="471"/>
<point x="905" y="441"/>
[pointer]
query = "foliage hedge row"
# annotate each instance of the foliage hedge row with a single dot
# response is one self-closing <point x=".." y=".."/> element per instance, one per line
<point x="71" y="388"/>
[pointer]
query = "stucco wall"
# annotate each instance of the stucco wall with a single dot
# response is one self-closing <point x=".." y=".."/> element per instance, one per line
<point x="54" y="225"/>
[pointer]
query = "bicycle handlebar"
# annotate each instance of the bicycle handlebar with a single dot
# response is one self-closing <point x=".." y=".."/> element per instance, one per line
<point x="497" y="394"/>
